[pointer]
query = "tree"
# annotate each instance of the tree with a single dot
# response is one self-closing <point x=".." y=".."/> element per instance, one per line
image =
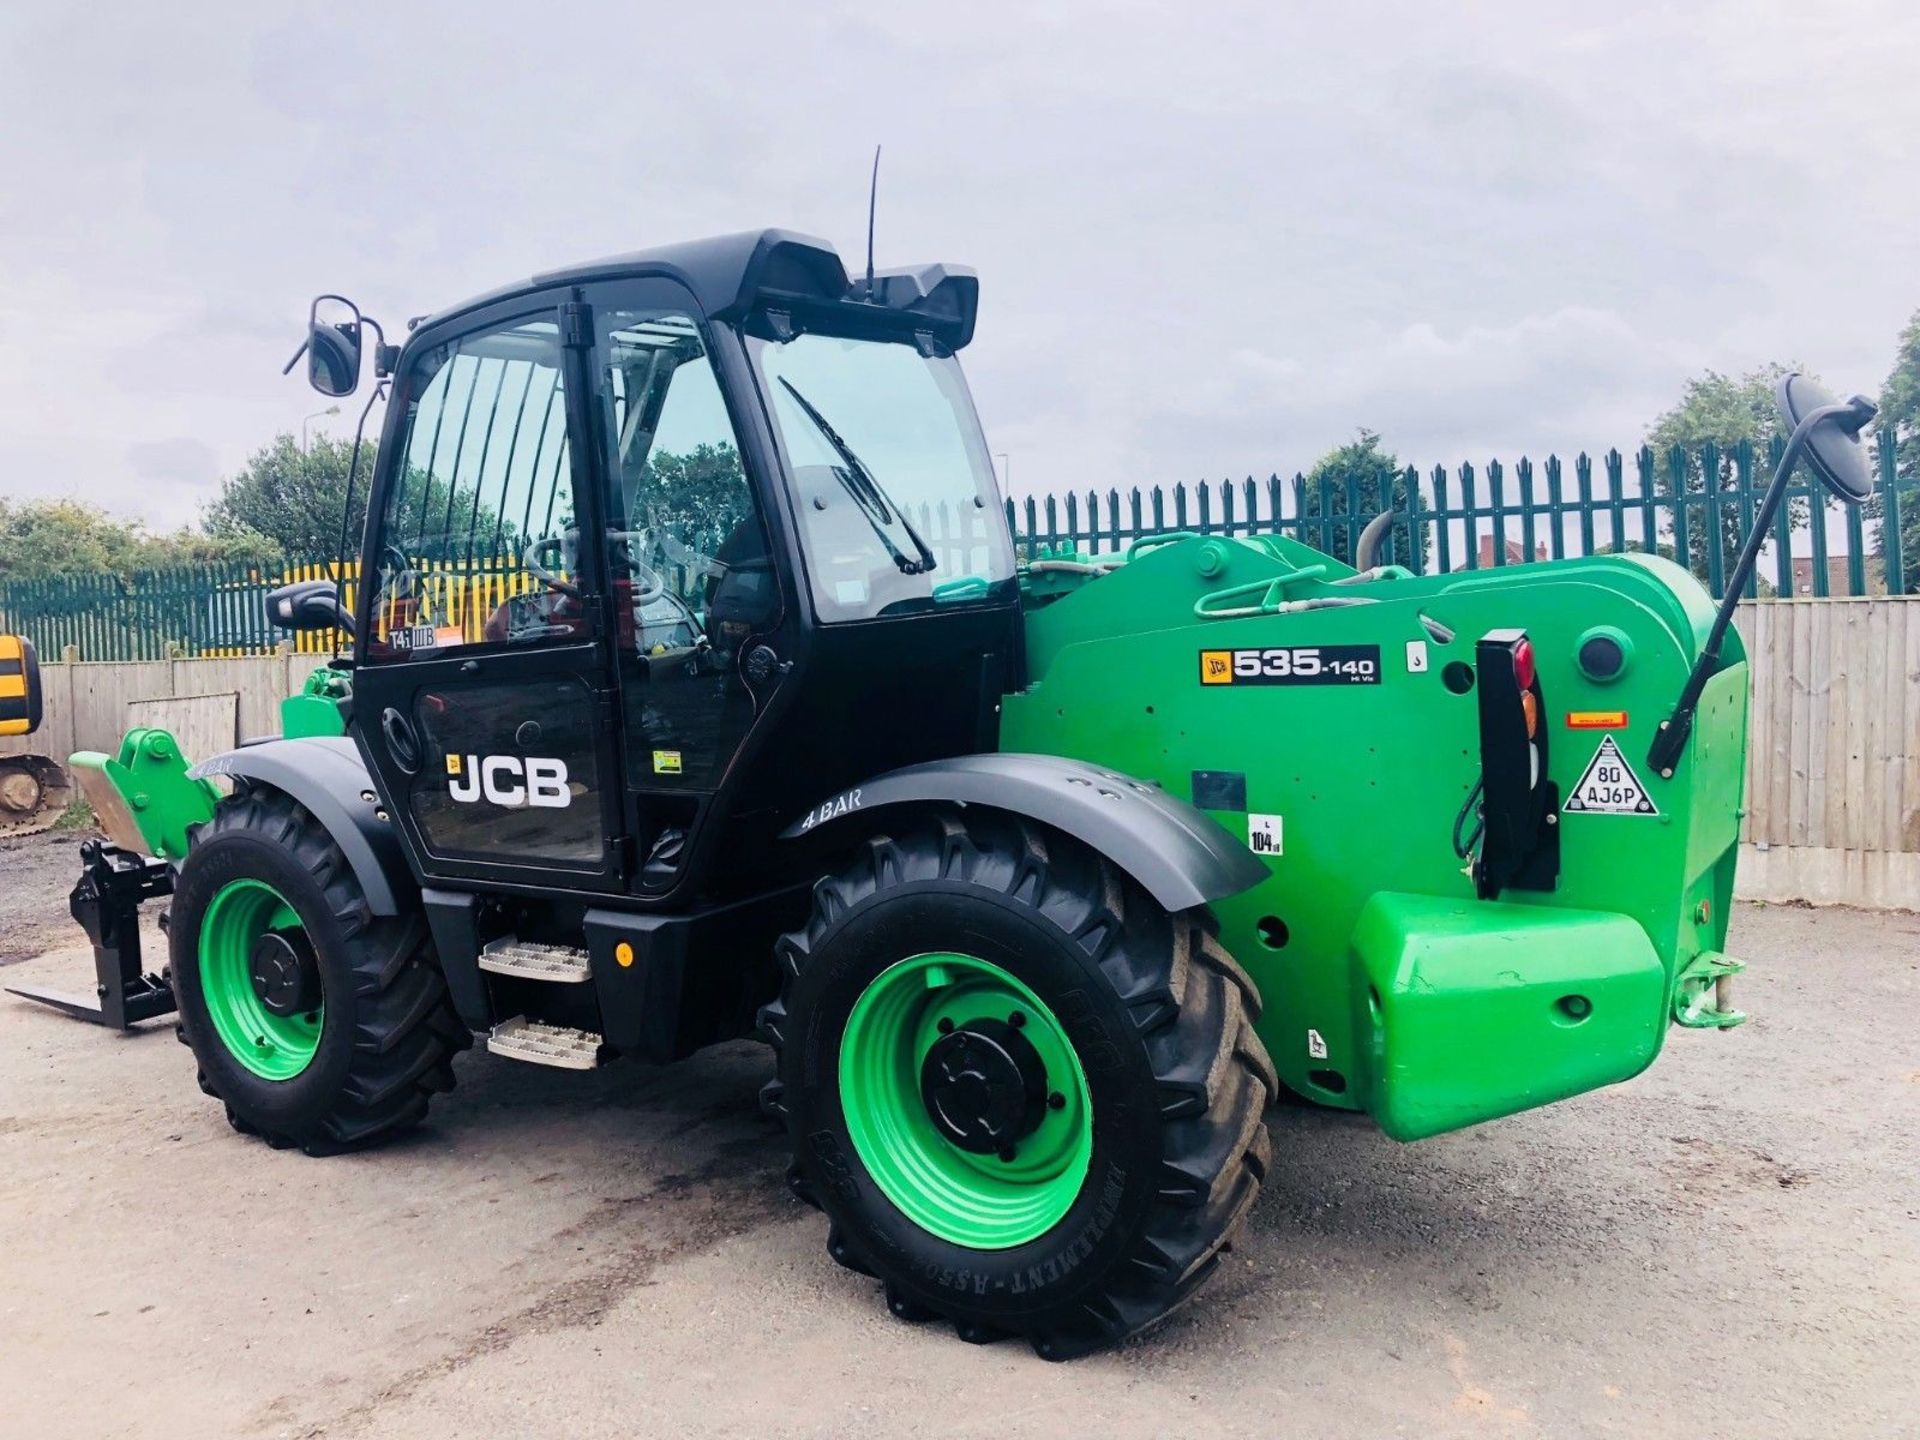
<point x="55" y="537"/>
<point x="702" y="493"/>
<point x="1373" y="472"/>
<point x="1900" y="407"/>
<point x="293" y="496"/>
<point x="1719" y="410"/>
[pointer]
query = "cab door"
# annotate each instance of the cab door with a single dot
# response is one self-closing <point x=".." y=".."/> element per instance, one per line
<point x="483" y="692"/>
<point x="702" y="634"/>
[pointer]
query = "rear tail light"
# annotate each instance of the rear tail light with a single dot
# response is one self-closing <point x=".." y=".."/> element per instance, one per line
<point x="1523" y="672"/>
<point x="1520" y="847"/>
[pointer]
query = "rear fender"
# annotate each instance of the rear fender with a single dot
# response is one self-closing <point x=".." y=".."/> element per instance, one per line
<point x="1181" y="856"/>
<point x="328" y="777"/>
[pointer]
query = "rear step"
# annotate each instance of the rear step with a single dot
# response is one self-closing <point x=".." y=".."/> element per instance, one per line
<point x="530" y="961"/>
<point x="544" y="1044"/>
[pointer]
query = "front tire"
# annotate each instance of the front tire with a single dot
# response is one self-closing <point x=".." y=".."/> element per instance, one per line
<point x="1029" y="1099"/>
<point x="317" y="1023"/>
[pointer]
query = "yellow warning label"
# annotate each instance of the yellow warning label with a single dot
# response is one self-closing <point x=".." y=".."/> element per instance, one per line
<point x="666" y="762"/>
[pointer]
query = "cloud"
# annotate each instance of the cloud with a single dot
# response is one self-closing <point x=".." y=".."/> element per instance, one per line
<point x="181" y="460"/>
<point x="1210" y="243"/>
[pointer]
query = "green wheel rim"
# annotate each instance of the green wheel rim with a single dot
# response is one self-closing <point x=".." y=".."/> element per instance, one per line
<point x="982" y="1201"/>
<point x="274" y="1047"/>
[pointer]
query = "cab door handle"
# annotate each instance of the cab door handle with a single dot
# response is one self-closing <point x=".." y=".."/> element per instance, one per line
<point x="403" y="746"/>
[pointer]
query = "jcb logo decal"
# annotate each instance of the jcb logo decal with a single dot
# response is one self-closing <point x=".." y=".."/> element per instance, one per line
<point x="1292" y="665"/>
<point x="509" y="780"/>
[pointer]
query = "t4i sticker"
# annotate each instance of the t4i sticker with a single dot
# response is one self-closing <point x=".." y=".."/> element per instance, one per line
<point x="1608" y="786"/>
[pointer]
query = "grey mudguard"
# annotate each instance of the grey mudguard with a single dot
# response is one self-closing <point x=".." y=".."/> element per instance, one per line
<point x="327" y="775"/>
<point x="1180" y="855"/>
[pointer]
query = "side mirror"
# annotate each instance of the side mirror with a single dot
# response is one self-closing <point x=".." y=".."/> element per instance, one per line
<point x="308" y="605"/>
<point x="332" y="348"/>
<point x="1832" y="445"/>
<point x="1823" y="431"/>
<point x="19" y="686"/>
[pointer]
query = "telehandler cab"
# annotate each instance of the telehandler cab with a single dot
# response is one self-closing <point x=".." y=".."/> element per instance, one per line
<point x="697" y="690"/>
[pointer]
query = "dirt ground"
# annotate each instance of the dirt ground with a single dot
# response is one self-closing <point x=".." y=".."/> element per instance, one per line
<point x="1727" y="1246"/>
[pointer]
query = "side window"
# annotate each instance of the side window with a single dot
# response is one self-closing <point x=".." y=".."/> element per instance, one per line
<point x="478" y="534"/>
<point x="688" y="548"/>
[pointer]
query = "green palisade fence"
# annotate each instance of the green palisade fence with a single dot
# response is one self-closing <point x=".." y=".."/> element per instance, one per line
<point x="1463" y="518"/>
<point x="1471" y="517"/>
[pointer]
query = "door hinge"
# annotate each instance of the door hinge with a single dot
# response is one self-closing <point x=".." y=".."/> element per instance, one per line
<point x="576" y="325"/>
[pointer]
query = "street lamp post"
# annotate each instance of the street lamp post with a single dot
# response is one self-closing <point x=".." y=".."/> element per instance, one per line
<point x="306" y="443"/>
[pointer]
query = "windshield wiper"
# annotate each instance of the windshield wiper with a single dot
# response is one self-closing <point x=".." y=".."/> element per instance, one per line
<point x="880" y="509"/>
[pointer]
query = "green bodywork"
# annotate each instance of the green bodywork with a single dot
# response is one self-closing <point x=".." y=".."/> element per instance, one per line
<point x="1388" y="985"/>
<point x="142" y="793"/>
<point x="316" y="711"/>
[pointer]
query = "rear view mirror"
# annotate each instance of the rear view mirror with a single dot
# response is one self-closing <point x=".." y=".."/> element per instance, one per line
<point x="332" y="347"/>
<point x="1832" y="447"/>
<point x="19" y="686"/>
<point x="308" y="605"/>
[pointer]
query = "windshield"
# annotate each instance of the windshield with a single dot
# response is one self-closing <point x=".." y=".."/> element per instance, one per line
<point x="895" y="490"/>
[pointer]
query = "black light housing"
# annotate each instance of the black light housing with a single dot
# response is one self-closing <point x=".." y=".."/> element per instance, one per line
<point x="1519" y="805"/>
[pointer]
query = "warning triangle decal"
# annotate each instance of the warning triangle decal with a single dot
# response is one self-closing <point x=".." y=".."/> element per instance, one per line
<point x="1609" y="786"/>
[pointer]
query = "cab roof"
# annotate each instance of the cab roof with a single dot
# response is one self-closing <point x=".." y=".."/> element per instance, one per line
<point x="778" y="271"/>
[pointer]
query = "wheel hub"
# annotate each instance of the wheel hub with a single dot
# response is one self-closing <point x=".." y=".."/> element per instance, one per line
<point x="283" y="973"/>
<point x="984" y="1086"/>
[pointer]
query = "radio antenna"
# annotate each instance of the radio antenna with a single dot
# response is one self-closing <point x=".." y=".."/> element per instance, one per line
<point x="873" y="196"/>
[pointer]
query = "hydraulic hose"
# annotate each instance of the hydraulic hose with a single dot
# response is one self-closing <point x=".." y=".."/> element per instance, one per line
<point x="1370" y="538"/>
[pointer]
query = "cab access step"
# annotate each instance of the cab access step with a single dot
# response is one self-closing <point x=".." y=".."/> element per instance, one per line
<point x="537" y="1041"/>
<point x="529" y="960"/>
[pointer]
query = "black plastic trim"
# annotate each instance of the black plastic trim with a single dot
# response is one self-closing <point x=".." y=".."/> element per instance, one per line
<point x="1181" y="856"/>
<point x="327" y="776"/>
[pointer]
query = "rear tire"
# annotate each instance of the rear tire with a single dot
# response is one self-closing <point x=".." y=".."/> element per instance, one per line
<point x="1170" y="1148"/>
<point x="373" y="1035"/>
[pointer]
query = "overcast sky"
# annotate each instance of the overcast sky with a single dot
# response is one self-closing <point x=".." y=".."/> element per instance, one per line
<point x="1212" y="240"/>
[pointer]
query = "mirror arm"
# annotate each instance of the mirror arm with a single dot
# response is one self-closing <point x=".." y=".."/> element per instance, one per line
<point x="346" y="505"/>
<point x="1671" y="738"/>
<point x="287" y="369"/>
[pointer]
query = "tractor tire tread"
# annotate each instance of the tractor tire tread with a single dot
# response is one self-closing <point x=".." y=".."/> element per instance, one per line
<point x="1193" y="1008"/>
<point x="405" y="1029"/>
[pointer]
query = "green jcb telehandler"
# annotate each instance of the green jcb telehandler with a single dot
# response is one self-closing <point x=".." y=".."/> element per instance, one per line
<point x="697" y="690"/>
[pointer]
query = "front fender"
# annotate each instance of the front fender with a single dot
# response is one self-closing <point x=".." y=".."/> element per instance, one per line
<point x="327" y="775"/>
<point x="1180" y="856"/>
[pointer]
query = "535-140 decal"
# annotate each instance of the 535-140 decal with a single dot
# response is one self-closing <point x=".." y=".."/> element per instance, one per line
<point x="1292" y="665"/>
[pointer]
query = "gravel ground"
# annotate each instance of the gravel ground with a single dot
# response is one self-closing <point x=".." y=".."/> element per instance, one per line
<point x="36" y="873"/>
<point x="1727" y="1246"/>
